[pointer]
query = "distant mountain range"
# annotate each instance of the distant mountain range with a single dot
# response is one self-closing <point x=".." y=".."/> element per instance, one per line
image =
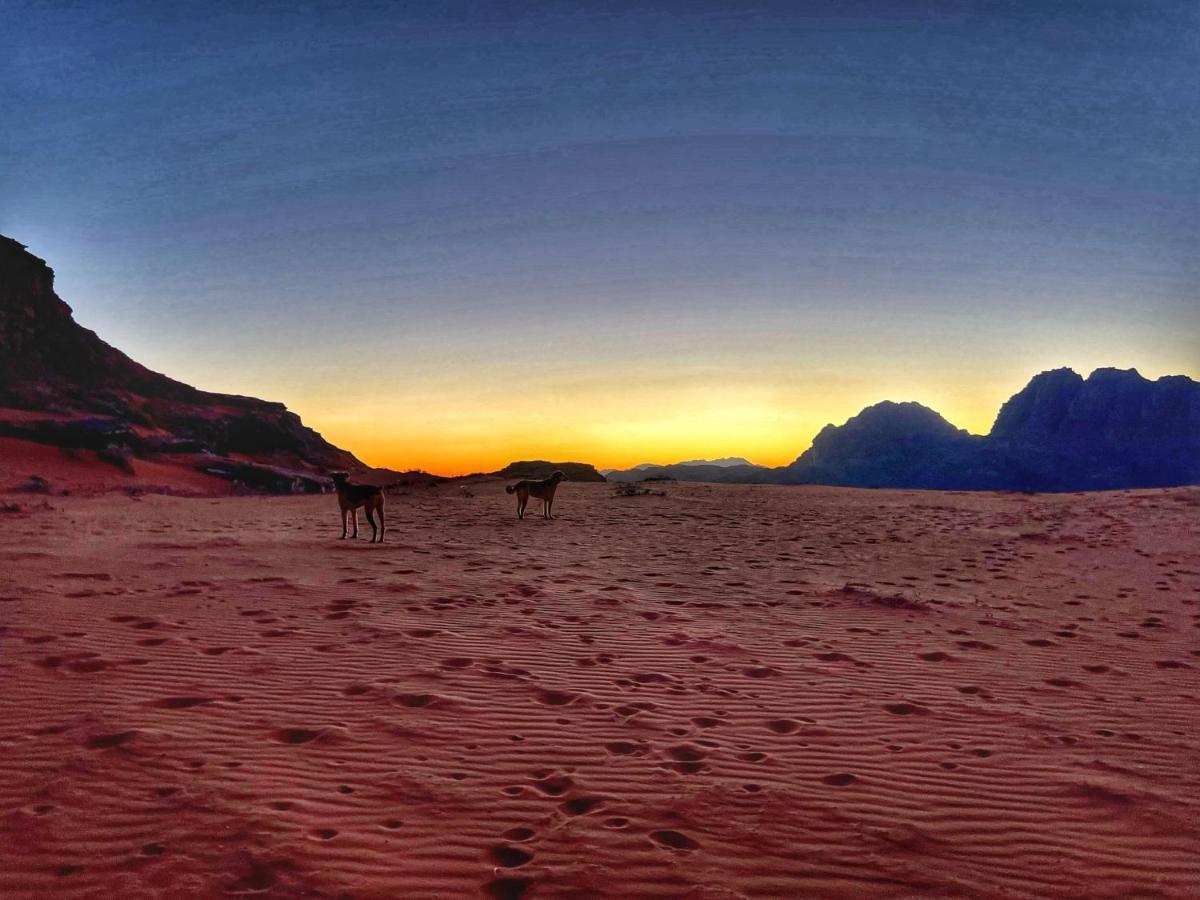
<point x="60" y="384"/>
<point x="1114" y="429"/>
<point x="643" y="470"/>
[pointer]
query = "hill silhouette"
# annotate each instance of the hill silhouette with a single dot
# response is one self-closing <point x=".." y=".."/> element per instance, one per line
<point x="61" y="384"/>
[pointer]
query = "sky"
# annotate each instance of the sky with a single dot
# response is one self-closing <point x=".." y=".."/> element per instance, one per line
<point x="451" y="235"/>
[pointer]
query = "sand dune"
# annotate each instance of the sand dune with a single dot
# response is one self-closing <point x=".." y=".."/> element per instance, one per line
<point x="725" y="692"/>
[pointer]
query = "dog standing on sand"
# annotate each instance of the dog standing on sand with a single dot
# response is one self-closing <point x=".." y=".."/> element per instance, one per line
<point x="543" y="490"/>
<point x="351" y="496"/>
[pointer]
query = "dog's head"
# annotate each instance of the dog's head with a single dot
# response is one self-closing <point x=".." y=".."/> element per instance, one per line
<point x="560" y="475"/>
<point x="339" y="478"/>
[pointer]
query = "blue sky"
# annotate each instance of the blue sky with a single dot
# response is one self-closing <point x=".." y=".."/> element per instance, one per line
<point x="438" y="231"/>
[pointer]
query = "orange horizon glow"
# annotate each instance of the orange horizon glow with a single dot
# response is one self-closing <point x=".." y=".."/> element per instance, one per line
<point x="664" y="431"/>
<point x="608" y="423"/>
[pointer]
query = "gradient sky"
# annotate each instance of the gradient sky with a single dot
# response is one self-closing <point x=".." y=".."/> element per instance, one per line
<point x="453" y="235"/>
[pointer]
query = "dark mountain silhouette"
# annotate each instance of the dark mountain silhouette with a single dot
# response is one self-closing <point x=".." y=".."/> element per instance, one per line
<point x="691" y="471"/>
<point x="731" y="469"/>
<point x="893" y="445"/>
<point x="1112" y="429"/>
<point x="61" y="384"/>
<point x="540" y="468"/>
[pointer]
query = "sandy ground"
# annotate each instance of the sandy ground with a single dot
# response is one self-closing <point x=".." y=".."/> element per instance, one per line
<point x="726" y="692"/>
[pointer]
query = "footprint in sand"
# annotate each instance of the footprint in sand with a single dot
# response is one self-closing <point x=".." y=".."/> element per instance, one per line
<point x="686" y="759"/>
<point x="905" y="709"/>
<point x="508" y="888"/>
<point x="508" y="857"/>
<point x="674" y="840"/>
<point x="554" y="785"/>
<point x="182" y="702"/>
<point x="296" y="735"/>
<point x="580" y="806"/>
<point x="108" y="741"/>
<point x="841" y="779"/>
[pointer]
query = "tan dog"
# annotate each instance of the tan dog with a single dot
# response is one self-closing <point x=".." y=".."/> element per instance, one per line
<point x="543" y="490"/>
<point x="351" y="496"/>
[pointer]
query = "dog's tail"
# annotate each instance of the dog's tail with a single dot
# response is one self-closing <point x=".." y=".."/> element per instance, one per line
<point x="510" y="489"/>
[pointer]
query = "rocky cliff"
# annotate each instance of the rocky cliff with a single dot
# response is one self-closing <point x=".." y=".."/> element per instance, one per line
<point x="1112" y="429"/>
<point x="61" y="384"/>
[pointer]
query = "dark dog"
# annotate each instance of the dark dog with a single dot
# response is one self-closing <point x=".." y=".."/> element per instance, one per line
<point x="351" y="496"/>
<point x="543" y="490"/>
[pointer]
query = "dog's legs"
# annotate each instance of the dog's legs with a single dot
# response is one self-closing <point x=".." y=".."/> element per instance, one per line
<point x="371" y="520"/>
<point x="382" y="527"/>
<point x="343" y="537"/>
<point x="354" y="516"/>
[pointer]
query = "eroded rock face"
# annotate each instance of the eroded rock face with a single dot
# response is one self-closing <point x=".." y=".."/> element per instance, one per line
<point x="93" y="395"/>
<point x="1062" y="432"/>
<point x="1112" y="429"/>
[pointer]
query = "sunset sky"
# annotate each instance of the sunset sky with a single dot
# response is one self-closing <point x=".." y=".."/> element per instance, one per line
<point x="462" y="234"/>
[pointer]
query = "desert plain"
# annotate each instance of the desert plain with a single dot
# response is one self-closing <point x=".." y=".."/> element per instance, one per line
<point x="726" y="691"/>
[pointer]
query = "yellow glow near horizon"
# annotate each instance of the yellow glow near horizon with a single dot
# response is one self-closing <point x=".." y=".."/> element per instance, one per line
<point x="456" y="401"/>
<point x="605" y="425"/>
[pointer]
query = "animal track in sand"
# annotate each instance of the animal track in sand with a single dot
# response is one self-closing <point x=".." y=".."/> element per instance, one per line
<point x="108" y="741"/>
<point x="296" y="735"/>
<point x="554" y="785"/>
<point x="625" y="748"/>
<point x="686" y="759"/>
<point x="905" y="709"/>
<point x="508" y="888"/>
<point x="421" y="701"/>
<point x="674" y="840"/>
<point x="841" y="779"/>
<point x="557" y="698"/>
<point x="579" y="806"/>
<point x="509" y="857"/>
<point x="936" y="656"/>
<point x="834" y="657"/>
<point x="183" y="702"/>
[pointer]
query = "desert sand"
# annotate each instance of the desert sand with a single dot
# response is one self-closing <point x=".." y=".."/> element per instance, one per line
<point x="725" y="692"/>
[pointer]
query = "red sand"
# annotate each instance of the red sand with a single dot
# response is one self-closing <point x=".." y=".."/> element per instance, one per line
<point x="648" y="697"/>
<point x="81" y="472"/>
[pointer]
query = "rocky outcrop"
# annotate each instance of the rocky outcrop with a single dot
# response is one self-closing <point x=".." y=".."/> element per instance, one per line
<point x="540" y="468"/>
<point x="1113" y="429"/>
<point x="894" y="445"/>
<point x="61" y="384"/>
